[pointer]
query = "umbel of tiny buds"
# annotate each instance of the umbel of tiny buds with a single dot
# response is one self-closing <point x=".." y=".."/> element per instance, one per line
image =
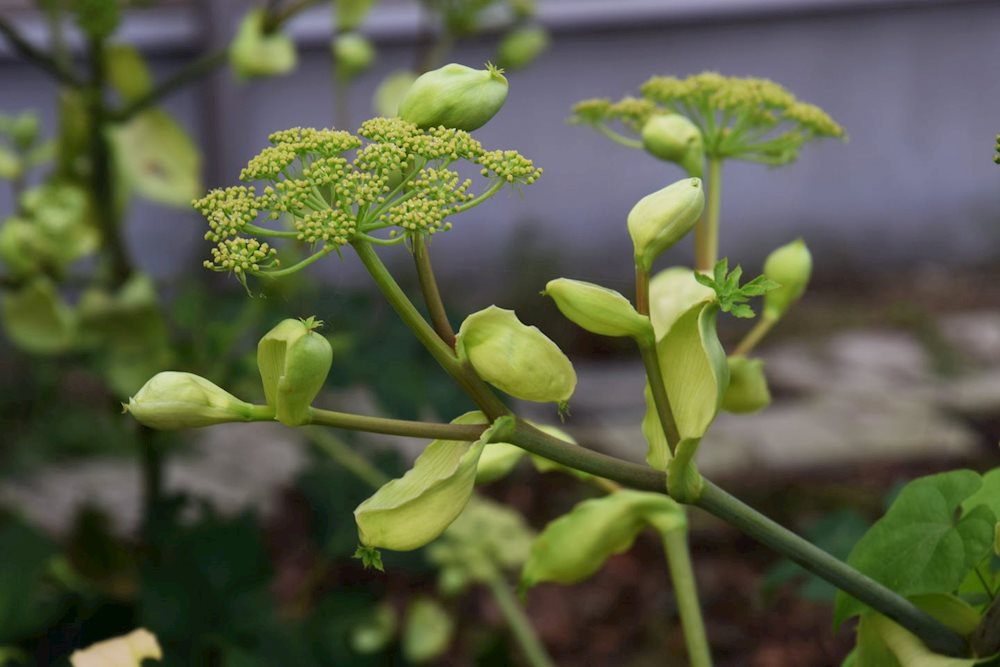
<point x="598" y="309"/>
<point x="293" y="361"/>
<point x="661" y="219"/>
<point x="455" y="96"/>
<point x="790" y="266"/>
<point x="674" y="138"/>
<point x="173" y="400"/>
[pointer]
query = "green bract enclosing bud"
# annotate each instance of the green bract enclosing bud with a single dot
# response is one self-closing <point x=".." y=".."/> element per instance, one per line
<point x="747" y="390"/>
<point x="353" y="53"/>
<point x="674" y="138"/>
<point x="661" y="219"/>
<point x="413" y="510"/>
<point x="514" y="357"/>
<point x="254" y="52"/>
<point x="671" y="293"/>
<point x="24" y="129"/>
<point x="790" y="266"/>
<point x="455" y="96"/>
<point x="173" y="400"/>
<point x="293" y="361"/>
<point x="598" y="309"/>
<point x="522" y="46"/>
<point x="577" y="544"/>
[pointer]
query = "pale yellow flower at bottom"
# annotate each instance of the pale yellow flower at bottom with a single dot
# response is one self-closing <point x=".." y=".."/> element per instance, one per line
<point x="125" y="651"/>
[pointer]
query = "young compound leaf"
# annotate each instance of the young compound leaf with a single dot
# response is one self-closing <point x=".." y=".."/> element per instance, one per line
<point x="920" y="545"/>
<point x="370" y="557"/>
<point x="726" y="284"/>
<point x="577" y="544"/>
<point x="411" y="511"/>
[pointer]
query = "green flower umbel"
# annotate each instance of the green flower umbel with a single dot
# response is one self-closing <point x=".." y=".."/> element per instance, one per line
<point x="329" y="188"/>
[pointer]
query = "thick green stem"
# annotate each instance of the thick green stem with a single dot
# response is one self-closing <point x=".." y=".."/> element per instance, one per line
<point x="151" y="459"/>
<point x="432" y="297"/>
<point x="675" y="543"/>
<point x="524" y="633"/>
<point x="937" y="637"/>
<point x="651" y="361"/>
<point x="755" y="335"/>
<point x="103" y="196"/>
<point x="706" y="233"/>
<point x="487" y="401"/>
<point x="400" y="427"/>
<point x="641" y="290"/>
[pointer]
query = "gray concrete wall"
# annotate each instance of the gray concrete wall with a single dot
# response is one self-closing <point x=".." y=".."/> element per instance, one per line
<point x="914" y="85"/>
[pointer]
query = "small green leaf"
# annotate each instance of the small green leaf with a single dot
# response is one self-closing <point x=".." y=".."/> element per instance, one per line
<point x="577" y="544"/>
<point x="127" y="71"/>
<point x="37" y="319"/>
<point x="427" y="631"/>
<point x="370" y="557"/>
<point x="919" y="546"/>
<point x="411" y="511"/>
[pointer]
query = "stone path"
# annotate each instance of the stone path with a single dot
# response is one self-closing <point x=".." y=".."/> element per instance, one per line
<point x="861" y="395"/>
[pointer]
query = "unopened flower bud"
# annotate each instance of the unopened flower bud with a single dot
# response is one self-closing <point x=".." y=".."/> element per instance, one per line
<point x="674" y="138"/>
<point x="522" y="46"/>
<point x="598" y="309"/>
<point x="514" y="357"/>
<point x="293" y="361"/>
<point x="747" y="390"/>
<point x="455" y="96"/>
<point x="350" y="13"/>
<point x="353" y="53"/>
<point x="24" y="130"/>
<point x="661" y="219"/>
<point x="790" y="266"/>
<point x="255" y="53"/>
<point x="391" y="91"/>
<point x="173" y="400"/>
